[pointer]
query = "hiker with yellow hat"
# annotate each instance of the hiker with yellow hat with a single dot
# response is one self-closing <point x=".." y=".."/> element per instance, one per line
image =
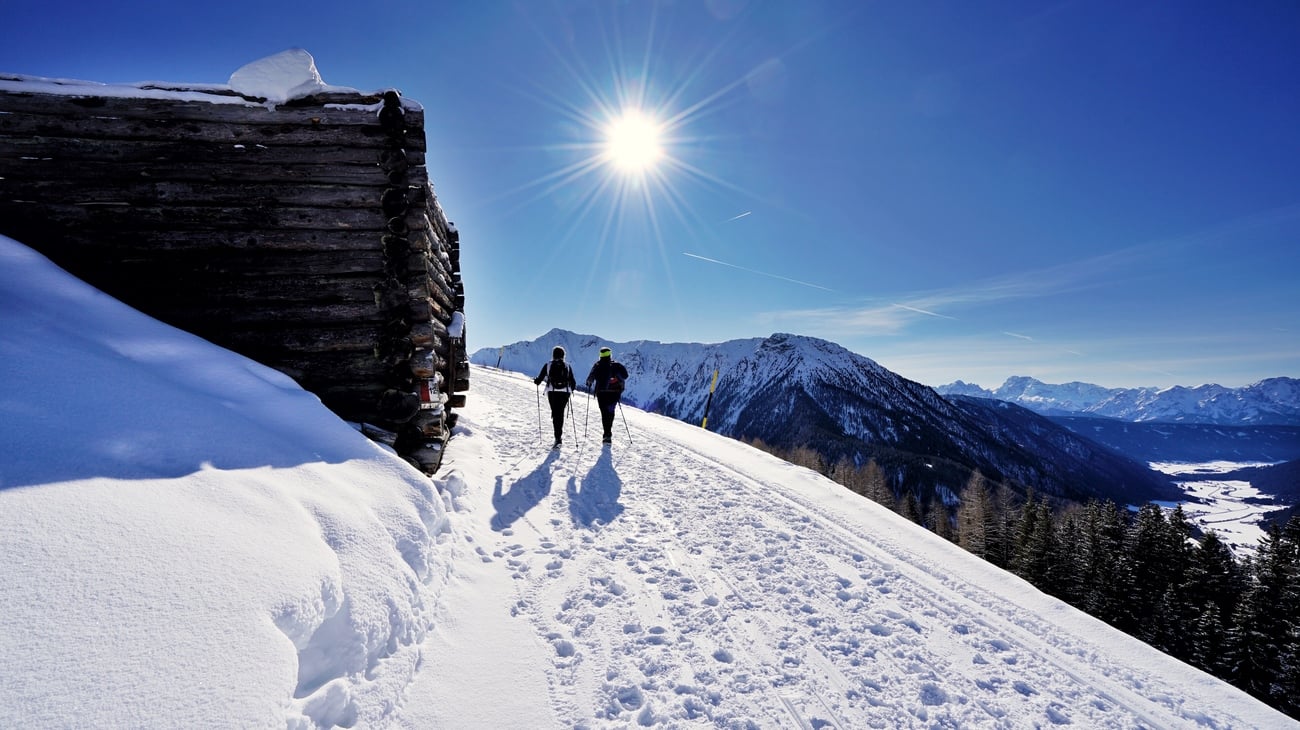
<point x="608" y="377"/>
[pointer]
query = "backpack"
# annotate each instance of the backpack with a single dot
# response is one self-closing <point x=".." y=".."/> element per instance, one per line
<point x="557" y="375"/>
<point x="615" y="383"/>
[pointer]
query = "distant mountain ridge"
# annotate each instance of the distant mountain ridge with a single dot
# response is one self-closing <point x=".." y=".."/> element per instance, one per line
<point x="791" y="391"/>
<point x="1270" y="402"/>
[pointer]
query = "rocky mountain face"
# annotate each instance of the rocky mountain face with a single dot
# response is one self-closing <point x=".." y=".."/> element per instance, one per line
<point x="792" y="391"/>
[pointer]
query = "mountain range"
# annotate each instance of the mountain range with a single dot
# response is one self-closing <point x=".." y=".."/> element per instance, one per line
<point x="792" y="391"/>
<point x="1270" y="402"/>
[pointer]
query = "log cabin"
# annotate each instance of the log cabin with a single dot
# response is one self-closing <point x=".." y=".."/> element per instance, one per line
<point x="302" y="232"/>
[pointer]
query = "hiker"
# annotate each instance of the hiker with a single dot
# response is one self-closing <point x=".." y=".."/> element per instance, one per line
<point x="560" y="384"/>
<point x="608" y="375"/>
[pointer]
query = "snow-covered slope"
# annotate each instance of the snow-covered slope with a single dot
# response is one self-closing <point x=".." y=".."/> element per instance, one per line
<point x="1274" y="401"/>
<point x="681" y="578"/>
<point x="189" y="540"/>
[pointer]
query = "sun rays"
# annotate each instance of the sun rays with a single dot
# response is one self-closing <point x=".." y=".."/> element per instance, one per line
<point x="632" y="142"/>
<point x="629" y="149"/>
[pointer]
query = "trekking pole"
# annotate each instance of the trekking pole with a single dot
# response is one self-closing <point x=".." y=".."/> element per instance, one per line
<point x="539" y="410"/>
<point x="625" y="428"/>
<point x="586" y="420"/>
<point x="572" y="418"/>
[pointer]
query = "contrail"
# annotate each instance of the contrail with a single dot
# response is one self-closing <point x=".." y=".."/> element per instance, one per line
<point x="737" y="217"/>
<point x="760" y="273"/>
<point x="922" y="311"/>
<point x="1022" y="337"/>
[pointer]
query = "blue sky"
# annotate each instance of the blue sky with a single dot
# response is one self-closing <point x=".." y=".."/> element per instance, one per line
<point x="1097" y="191"/>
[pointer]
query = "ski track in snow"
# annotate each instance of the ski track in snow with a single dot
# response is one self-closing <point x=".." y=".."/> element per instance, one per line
<point x="666" y="595"/>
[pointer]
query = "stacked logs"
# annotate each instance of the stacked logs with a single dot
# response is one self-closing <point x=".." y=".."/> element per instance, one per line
<point x="305" y="236"/>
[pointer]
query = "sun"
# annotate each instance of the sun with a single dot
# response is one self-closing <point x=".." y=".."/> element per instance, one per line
<point x="633" y="142"/>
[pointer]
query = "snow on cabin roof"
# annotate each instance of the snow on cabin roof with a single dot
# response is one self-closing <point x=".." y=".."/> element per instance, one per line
<point x="287" y="75"/>
<point x="276" y="79"/>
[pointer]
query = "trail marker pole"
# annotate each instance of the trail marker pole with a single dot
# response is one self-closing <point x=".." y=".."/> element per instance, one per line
<point x="705" y="423"/>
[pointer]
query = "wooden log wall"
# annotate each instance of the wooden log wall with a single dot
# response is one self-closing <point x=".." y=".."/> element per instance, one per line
<point x="305" y="236"/>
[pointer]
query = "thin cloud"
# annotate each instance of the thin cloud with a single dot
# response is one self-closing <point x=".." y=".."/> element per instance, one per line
<point x="886" y="319"/>
<point x="918" y="310"/>
<point x="754" y="271"/>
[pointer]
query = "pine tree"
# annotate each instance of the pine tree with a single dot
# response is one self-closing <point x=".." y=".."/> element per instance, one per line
<point x="1001" y="533"/>
<point x="910" y="507"/>
<point x="845" y="473"/>
<point x="974" y="516"/>
<point x="1105" y="582"/>
<point x="874" y="484"/>
<point x="1289" y="612"/>
<point x="1214" y="576"/>
<point x="1068" y="559"/>
<point x="809" y="457"/>
<point x="1211" y="588"/>
<point x="1042" y="551"/>
<point x="1147" y="553"/>
<point x="1263" y="636"/>
<point x="1026" y="522"/>
<point x="1209" y="638"/>
<point x="938" y="519"/>
<point x="1251" y="652"/>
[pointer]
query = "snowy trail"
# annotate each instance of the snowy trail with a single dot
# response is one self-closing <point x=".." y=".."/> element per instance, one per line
<point x="688" y="580"/>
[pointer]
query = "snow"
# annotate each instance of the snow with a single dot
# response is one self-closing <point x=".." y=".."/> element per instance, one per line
<point x="1232" y="508"/>
<point x="1271" y="401"/>
<point x="286" y="75"/>
<point x="190" y="540"/>
<point x="270" y="81"/>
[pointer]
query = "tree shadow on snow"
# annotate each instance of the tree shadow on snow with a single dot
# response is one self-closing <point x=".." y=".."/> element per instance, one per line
<point x="525" y="493"/>
<point x="596" y="502"/>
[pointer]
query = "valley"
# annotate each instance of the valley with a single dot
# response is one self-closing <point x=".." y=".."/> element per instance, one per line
<point x="1232" y="508"/>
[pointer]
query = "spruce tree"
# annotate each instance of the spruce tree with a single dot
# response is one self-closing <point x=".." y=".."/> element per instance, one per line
<point x="1211" y="587"/>
<point x="1041" y="550"/>
<point x="1105" y="580"/>
<point x="910" y="507"/>
<point x="847" y="474"/>
<point x="1146" y="553"/>
<point x="1209" y="641"/>
<point x="1263" y="636"/>
<point x="974" y="516"/>
<point x="1288" y="558"/>
<point x="938" y="519"/>
<point x="1251" y="652"/>
<point x="1026" y="522"/>
<point x="874" y="484"/>
<point x="1068" y="584"/>
<point x="1214" y="576"/>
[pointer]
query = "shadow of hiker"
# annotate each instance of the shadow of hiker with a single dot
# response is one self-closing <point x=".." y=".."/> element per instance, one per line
<point x="597" y="502"/>
<point x="525" y="493"/>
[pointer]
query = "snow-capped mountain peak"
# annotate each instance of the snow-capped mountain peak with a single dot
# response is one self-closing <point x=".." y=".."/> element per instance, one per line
<point x="795" y="391"/>
<point x="1274" y="401"/>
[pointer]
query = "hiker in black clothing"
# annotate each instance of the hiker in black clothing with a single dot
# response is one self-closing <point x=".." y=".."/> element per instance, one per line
<point x="608" y="376"/>
<point x="560" y="384"/>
